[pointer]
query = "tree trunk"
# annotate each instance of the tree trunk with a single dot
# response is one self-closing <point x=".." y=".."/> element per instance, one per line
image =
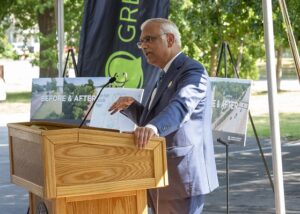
<point x="213" y="60"/>
<point x="279" y="67"/>
<point x="47" y="27"/>
<point x="240" y="57"/>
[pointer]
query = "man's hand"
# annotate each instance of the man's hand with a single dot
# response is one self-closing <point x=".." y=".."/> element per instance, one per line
<point x="120" y="104"/>
<point x="142" y="136"/>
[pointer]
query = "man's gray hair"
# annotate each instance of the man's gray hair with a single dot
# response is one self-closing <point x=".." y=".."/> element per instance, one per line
<point x="166" y="26"/>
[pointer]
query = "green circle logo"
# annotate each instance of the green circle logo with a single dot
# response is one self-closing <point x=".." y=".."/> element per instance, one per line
<point x="126" y="68"/>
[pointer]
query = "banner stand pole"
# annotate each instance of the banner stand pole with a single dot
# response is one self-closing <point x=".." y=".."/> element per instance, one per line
<point x="225" y="47"/>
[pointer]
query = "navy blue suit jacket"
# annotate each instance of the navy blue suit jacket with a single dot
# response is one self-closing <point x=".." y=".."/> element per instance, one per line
<point x="181" y="111"/>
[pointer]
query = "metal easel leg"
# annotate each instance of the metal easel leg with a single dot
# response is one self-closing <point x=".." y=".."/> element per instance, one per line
<point x="227" y="173"/>
<point x="261" y="152"/>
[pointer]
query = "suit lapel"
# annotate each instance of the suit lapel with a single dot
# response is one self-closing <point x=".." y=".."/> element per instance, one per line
<point x="173" y="71"/>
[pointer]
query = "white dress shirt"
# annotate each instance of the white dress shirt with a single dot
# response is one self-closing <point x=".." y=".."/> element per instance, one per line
<point x="167" y="66"/>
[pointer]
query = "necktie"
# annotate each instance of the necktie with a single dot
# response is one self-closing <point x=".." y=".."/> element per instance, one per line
<point x="161" y="76"/>
<point x="158" y="82"/>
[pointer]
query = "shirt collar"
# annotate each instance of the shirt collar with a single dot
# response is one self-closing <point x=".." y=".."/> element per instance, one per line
<point x="170" y="62"/>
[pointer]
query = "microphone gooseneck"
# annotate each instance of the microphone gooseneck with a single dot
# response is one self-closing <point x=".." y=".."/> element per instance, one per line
<point x="111" y="80"/>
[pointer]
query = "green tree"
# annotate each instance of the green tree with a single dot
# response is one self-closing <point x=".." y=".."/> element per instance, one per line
<point x="75" y="109"/>
<point x="37" y="88"/>
<point x="281" y="38"/>
<point x="6" y="49"/>
<point x="31" y="13"/>
<point x="204" y="25"/>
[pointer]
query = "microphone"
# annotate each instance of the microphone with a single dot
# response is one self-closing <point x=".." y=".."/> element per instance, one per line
<point x="111" y="80"/>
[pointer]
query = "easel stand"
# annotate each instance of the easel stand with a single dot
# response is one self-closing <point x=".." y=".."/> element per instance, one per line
<point x="73" y="60"/>
<point x="224" y="48"/>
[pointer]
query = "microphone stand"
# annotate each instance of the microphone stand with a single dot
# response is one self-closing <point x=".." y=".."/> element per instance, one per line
<point x="111" y="80"/>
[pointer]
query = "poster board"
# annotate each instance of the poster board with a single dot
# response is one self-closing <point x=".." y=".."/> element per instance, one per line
<point x="103" y="119"/>
<point x="68" y="100"/>
<point x="63" y="99"/>
<point x="230" y="107"/>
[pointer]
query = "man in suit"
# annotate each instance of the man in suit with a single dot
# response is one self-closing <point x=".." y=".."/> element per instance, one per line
<point x="179" y="110"/>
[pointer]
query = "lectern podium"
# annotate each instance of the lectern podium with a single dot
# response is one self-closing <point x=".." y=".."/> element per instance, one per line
<point x="84" y="171"/>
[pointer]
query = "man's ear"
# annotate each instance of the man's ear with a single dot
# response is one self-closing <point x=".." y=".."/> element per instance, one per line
<point x="170" y="39"/>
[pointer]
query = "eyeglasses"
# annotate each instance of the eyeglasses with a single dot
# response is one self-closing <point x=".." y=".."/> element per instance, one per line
<point x="148" y="39"/>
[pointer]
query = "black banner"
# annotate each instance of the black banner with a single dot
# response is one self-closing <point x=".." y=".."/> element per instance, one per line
<point x="110" y="31"/>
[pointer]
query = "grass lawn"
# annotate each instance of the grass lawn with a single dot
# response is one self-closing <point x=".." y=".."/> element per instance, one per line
<point x="289" y="126"/>
<point x="20" y="97"/>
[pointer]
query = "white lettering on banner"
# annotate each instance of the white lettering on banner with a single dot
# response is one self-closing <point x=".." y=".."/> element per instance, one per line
<point x="234" y="138"/>
<point x="63" y="98"/>
<point x="225" y="104"/>
<point x="84" y="98"/>
<point x="53" y="98"/>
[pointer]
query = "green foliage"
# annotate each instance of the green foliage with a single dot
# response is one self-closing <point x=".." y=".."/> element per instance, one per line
<point x="53" y="115"/>
<point x="206" y="24"/>
<point x="36" y="88"/>
<point x="30" y="14"/>
<point x="73" y="20"/>
<point x="74" y="109"/>
<point x="249" y="69"/>
<point x="6" y="50"/>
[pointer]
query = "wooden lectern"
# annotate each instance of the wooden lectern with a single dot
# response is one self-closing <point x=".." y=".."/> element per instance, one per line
<point x="69" y="170"/>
